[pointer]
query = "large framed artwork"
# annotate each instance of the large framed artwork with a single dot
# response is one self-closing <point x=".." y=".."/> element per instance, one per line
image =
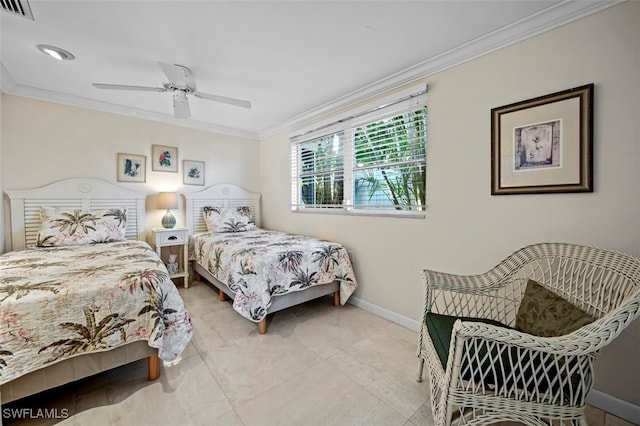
<point x="131" y="168"/>
<point x="193" y="172"/>
<point x="164" y="158"/>
<point x="544" y="144"/>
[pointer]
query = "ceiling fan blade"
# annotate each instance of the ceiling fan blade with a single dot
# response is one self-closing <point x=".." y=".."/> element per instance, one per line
<point x="175" y="75"/>
<point x="180" y="104"/>
<point x="124" y="87"/>
<point x="223" y="99"/>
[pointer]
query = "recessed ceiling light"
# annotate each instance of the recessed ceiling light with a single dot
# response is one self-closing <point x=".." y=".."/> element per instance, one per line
<point x="56" y="52"/>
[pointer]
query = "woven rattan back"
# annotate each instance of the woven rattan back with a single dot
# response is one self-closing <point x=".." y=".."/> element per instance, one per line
<point x="594" y="279"/>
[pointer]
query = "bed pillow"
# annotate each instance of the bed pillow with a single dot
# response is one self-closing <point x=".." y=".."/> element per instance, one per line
<point x="76" y="227"/>
<point x="229" y="219"/>
<point x="545" y="314"/>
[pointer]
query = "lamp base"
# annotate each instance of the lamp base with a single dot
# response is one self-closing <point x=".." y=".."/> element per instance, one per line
<point x="168" y="220"/>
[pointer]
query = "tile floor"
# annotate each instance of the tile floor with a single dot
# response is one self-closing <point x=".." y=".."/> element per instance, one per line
<point x="317" y="365"/>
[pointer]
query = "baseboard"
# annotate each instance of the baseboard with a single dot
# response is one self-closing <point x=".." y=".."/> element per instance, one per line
<point x="618" y="407"/>
<point x="386" y="314"/>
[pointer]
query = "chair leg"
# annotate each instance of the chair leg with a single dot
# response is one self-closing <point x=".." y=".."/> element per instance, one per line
<point x="420" y="368"/>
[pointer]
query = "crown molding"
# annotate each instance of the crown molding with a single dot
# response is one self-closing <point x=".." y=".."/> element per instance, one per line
<point x="547" y="19"/>
<point x="9" y="86"/>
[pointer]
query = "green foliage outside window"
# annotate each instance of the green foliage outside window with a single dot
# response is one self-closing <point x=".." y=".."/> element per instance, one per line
<point x="390" y="161"/>
<point x="375" y="166"/>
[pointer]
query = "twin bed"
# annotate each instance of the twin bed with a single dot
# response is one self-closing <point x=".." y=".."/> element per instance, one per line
<point x="81" y="292"/>
<point x="262" y="271"/>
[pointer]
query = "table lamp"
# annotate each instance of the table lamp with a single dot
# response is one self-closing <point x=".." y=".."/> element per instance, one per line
<point x="168" y="200"/>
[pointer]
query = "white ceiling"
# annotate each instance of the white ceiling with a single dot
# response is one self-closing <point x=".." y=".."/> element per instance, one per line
<point x="291" y="59"/>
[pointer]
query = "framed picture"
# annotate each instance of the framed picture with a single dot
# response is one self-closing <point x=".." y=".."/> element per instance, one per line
<point x="131" y="168"/>
<point x="193" y="172"/>
<point x="544" y="144"/>
<point x="164" y="158"/>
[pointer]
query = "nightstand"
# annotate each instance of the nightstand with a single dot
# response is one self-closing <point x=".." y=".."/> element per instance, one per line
<point x="174" y="237"/>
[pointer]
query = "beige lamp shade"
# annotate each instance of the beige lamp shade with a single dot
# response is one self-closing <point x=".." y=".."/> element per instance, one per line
<point x="167" y="200"/>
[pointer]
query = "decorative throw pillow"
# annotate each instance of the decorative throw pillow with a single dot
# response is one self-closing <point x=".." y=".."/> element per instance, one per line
<point x="76" y="227"/>
<point x="545" y="314"/>
<point x="231" y="219"/>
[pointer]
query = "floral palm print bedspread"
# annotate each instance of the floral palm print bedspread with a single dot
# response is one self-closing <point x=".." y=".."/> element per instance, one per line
<point x="59" y="302"/>
<point x="257" y="265"/>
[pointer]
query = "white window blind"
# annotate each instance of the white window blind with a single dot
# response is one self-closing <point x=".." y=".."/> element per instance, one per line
<point x="372" y="162"/>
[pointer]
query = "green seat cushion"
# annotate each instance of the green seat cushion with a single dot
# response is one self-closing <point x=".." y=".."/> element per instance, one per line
<point x="545" y="314"/>
<point x="440" y="328"/>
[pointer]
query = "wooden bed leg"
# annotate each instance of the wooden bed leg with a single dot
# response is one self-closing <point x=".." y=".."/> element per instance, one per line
<point x="222" y="295"/>
<point x="154" y="367"/>
<point x="336" y="298"/>
<point x="262" y="326"/>
<point x="196" y="275"/>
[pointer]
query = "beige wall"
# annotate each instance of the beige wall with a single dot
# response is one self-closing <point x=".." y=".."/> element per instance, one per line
<point x="43" y="142"/>
<point x="466" y="229"/>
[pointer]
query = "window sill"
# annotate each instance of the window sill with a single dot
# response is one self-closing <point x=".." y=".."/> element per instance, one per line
<point x="342" y="212"/>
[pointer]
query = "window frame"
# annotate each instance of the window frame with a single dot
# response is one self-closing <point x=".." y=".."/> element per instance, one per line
<point x="370" y="113"/>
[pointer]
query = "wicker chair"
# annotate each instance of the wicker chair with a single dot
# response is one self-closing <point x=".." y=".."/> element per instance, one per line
<point x="492" y="372"/>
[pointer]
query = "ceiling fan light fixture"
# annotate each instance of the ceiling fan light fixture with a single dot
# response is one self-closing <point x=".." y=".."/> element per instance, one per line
<point x="56" y="52"/>
<point x="181" y="104"/>
<point x="179" y="97"/>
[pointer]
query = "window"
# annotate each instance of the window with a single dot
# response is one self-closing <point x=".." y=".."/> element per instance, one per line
<point x="374" y="162"/>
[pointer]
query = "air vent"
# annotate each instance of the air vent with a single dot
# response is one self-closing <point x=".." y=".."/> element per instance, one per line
<point x="17" y="7"/>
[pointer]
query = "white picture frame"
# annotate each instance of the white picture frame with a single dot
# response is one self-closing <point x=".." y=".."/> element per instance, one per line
<point x="164" y="158"/>
<point x="131" y="168"/>
<point x="193" y="172"/>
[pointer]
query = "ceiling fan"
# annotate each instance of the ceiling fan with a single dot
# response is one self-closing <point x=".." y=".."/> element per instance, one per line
<point x="181" y="84"/>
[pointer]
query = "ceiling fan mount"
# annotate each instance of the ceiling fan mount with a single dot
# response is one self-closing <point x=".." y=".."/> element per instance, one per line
<point x="180" y="83"/>
<point x="171" y="87"/>
<point x="189" y="86"/>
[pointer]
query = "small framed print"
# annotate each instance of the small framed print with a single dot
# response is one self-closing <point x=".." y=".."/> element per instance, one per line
<point x="164" y="158"/>
<point x="131" y="168"/>
<point x="544" y="144"/>
<point x="193" y="172"/>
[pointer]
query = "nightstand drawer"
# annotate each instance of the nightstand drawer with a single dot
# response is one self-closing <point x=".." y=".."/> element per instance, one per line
<point x="173" y="237"/>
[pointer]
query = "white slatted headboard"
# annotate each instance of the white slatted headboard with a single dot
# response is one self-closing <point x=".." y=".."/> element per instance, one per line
<point x="84" y="194"/>
<point x="220" y="195"/>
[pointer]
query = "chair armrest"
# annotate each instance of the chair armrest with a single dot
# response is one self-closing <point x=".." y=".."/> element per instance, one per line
<point x="588" y="339"/>
<point x="570" y="344"/>
<point x="499" y="276"/>
<point x="479" y="296"/>
<point x="473" y="284"/>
